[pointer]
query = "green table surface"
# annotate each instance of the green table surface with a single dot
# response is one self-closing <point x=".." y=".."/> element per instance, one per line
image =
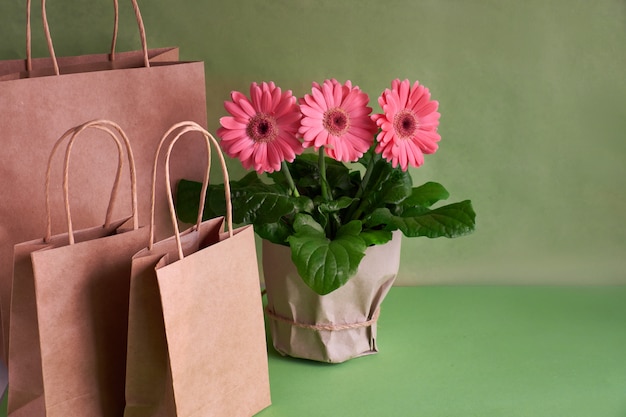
<point x="472" y="351"/>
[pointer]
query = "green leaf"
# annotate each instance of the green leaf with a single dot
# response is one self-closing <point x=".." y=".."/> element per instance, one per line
<point x="253" y="201"/>
<point x="325" y="264"/>
<point x="188" y="200"/>
<point x="335" y="205"/>
<point x="302" y="204"/>
<point x="262" y="207"/>
<point x="251" y="179"/>
<point x="426" y="195"/>
<point x="376" y="237"/>
<point x="450" y="221"/>
<point x="388" y="186"/>
<point x="274" y="232"/>
<point x="306" y="225"/>
<point x="369" y="155"/>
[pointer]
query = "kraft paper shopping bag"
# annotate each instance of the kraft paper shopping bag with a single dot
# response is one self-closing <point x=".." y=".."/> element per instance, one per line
<point x="196" y="342"/>
<point x="69" y="306"/>
<point x="143" y="96"/>
<point x="31" y="67"/>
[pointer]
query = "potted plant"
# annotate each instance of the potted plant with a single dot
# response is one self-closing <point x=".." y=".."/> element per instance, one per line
<point x="330" y="218"/>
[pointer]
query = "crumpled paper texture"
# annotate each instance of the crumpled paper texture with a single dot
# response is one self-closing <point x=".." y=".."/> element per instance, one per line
<point x="356" y="302"/>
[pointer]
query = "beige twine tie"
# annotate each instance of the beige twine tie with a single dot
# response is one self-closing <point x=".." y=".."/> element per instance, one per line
<point x="329" y="327"/>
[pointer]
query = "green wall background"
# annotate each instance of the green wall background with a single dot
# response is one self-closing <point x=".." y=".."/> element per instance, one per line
<point x="532" y="96"/>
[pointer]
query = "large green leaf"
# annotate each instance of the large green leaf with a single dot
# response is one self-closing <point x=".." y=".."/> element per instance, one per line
<point x="453" y="220"/>
<point x="388" y="186"/>
<point x="376" y="237"/>
<point x="334" y="206"/>
<point x="262" y="207"/>
<point x="426" y="195"/>
<point x="188" y="201"/>
<point x="302" y="204"/>
<point x="325" y="264"/>
<point x="274" y="232"/>
<point x="253" y="201"/>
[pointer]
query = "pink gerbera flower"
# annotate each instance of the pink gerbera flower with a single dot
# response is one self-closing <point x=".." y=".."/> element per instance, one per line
<point x="337" y="117"/>
<point x="261" y="132"/>
<point x="409" y="124"/>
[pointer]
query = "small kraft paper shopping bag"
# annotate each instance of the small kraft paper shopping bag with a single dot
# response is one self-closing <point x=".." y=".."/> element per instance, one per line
<point x="69" y="310"/>
<point x="145" y="91"/>
<point x="196" y="342"/>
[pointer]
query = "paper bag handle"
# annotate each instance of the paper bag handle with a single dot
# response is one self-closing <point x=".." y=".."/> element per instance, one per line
<point x="142" y="34"/>
<point x="186" y="127"/>
<point x="29" y="54"/>
<point x="48" y="175"/>
<point x="111" y="128"/>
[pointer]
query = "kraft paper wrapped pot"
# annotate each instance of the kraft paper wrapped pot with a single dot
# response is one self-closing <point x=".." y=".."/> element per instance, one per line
<point x="328" y="328"/>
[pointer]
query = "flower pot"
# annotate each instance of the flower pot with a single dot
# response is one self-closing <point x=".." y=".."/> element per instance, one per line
<point x="333" y="327"/>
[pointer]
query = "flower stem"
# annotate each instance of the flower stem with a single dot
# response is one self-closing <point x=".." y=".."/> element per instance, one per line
<point x="324" y="183"/>
<point x="368" y="174"/>
<point x="292" y="186"/>
<point x="356" y="209"/>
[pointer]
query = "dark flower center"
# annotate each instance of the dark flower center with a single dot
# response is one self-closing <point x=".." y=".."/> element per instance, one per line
<point x="405" y="124"/>
<point x="336" y="121"/>
<point x="262" y="128"/>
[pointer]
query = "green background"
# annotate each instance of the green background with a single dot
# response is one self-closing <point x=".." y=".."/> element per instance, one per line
<point x="532" y="96"/>
<point x="475" y="351"/>
<point x="465" y="351"/>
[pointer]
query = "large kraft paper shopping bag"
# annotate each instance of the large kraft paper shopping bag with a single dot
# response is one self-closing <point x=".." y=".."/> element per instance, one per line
<point x="196" y="342"/>
<point x="30" y="67"/>
<point x="146" y="99"/>
<point x="70" y="308"/>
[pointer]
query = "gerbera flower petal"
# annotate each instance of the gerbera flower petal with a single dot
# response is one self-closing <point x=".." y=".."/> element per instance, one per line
<point x="403" y="93"/>
<point x="285" y="104"/>
<point x="310" y="122"/>
<point x="231" y="123"/>
<point x="337" y="117"/>
<point x="255" y="95"/>
<point x="427" y="141"/>
<point x="318" y="96"/>
<point x="321" y="139"/>
<point x="289" y="123"/>
<point x="415" y="155"/>
<point x="430" y="121"/>
<point x="419" y="95"/>
<point x="327" y="91"/>
<point x="309" y="101"/>
<point x="276" y="96"/>
<point x="262" y="130"/>
<point x="261" y="162"/>
<point x="235" y="109"/>
<point x="247" y="107"/>
<point x="408" y="124"/>
<point x="266" y="101"/>
<point x="311" y="111"/>
<point x="239" y="146"/>
<point x="310" y="135"/>
<point x="427" y="108"/>
<point x="338" y="91"/>
<point x="228" y="135"/>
